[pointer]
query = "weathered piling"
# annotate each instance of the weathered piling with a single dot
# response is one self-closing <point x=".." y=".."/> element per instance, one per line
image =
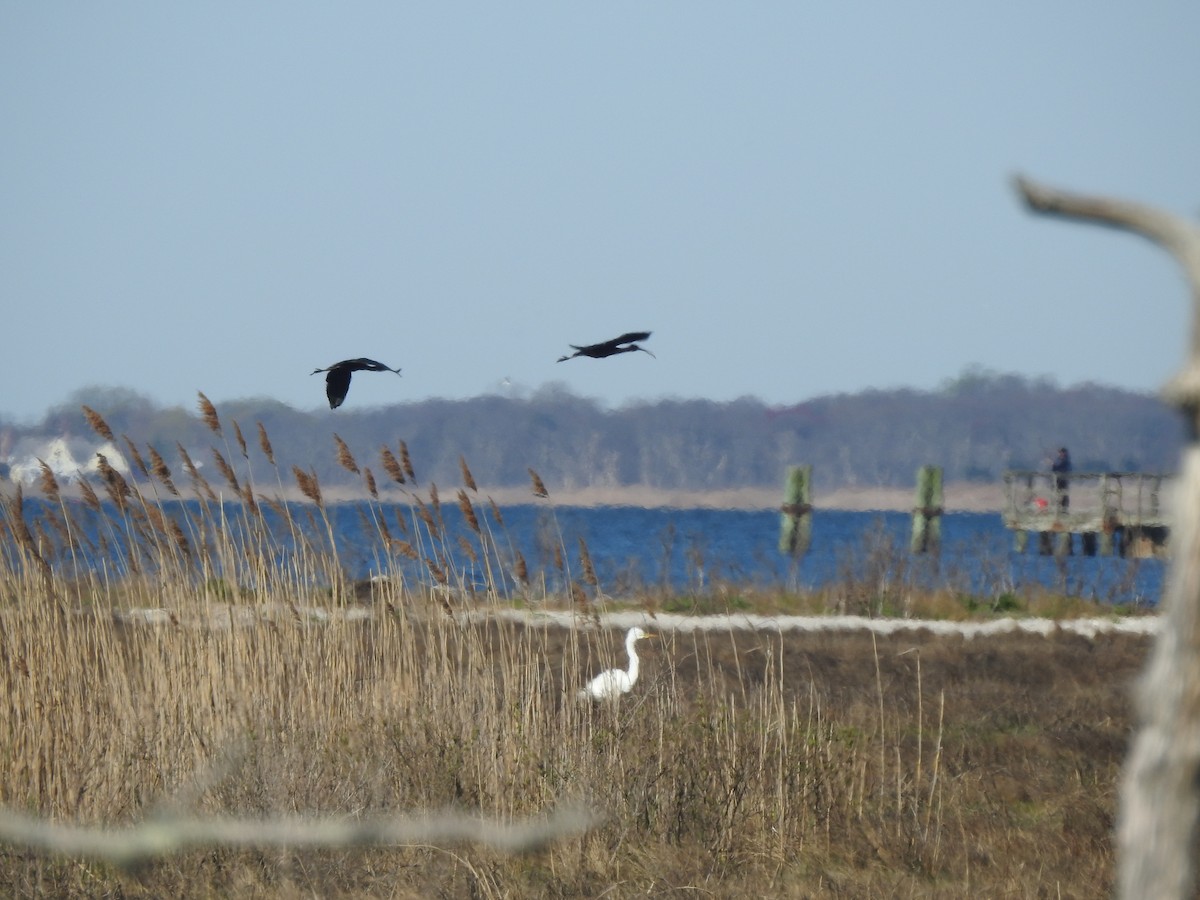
<point x="927" y="512"/>
<point x="795" y="523"/>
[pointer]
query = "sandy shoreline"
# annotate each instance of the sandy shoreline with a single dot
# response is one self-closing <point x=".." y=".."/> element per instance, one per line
<point x="963" y="497"/>
<point x="959" y="497"/>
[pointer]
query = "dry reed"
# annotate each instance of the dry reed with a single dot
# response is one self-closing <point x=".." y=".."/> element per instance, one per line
<point x="228" y="684"/>
<point x="98" y="424"/>
<point x="161" y="471"/>
<point x="520" y="569"/>
<point x="391" y="465"/>
<point x="344" y="457"/>
<point x="585" y="562"/>
<point x="539" y="487"/>
<point x="406" y="462"/>
<point x="309" y="486"/>
<point x="208" y="413"/>
<point x="114" y="482"/>
<point x="264" y="444"/>
<point x="48" y="483"/>
<point x="468" y="478"/>
<point x="136" y="456"/>
<point x="468" y="512"/>
<point x="241" y="440"/>
<point x="226" y="471"/>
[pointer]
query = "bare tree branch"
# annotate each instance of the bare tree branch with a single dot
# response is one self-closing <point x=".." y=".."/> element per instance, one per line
<point x="138" y="844"/>
<point x="1179" y="236"/>
<point x="1160" y="793"/>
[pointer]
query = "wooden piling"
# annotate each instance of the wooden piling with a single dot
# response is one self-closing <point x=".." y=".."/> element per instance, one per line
<point x="927" y="511"/>
<point x="795" y="523"/>
<point x="1064" y="543"/>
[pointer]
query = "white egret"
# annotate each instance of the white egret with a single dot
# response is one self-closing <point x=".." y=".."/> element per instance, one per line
<point x="614" y="682"/>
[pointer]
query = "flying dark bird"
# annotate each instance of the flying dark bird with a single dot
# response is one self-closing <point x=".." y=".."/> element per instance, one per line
<point x="337" y="382"/>
<point x="623" y="344"/>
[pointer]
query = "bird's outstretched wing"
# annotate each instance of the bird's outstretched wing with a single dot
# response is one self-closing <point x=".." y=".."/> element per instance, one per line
<point x="630" y="336"/>
<point x="362" y="364"/>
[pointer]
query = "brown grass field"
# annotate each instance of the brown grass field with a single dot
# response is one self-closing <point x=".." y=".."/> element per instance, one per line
<point x="742" y="763"/>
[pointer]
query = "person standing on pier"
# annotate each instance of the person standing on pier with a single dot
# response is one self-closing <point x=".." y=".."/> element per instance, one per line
<point x="1060" y="467"/>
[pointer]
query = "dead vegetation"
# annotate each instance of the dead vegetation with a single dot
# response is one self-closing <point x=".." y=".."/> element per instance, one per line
<point x="744" y="763"/>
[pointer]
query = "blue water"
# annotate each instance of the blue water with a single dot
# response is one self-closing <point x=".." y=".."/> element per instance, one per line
<point x="696" y="550"/>
<point x="690" y="551"/>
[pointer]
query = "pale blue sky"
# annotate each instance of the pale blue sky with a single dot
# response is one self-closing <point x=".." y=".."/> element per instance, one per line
<point x="796" y="198"/>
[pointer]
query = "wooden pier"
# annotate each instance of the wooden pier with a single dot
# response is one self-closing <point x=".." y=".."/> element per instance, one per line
<point x="1112" y="512"/>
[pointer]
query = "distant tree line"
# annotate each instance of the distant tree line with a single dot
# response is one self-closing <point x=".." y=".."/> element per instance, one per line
<point x="975" y="427"/>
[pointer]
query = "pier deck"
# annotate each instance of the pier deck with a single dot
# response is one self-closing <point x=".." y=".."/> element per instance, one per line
<point x="1112" y="512"/>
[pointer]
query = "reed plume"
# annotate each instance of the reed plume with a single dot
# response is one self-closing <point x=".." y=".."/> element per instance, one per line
<point x="276" y="507"/>
<point x="468" y="478"/>
<point x="180" y="538"/>
<point x="426" y="516"/>
<point x="468" y="511"/>
<point x="15" y="505"/>
<point x="159" y="467"/>
<point x="579" y="596"/>
<point x="49" y="484"/>
<point x="209" y="414"/>
<point x="436" y="571"/>
<point x="241" y="441"/>
<point x="98" y="424"/>
<point x="226" y="470"/>
<point x="264" y="443"/>
<point x="468" y="549"/>
<point x="344" y="457"/>
<point x="520" y="569"/>
<point x="114" y="482"/>
<point x="198" y="481"/>
<point x="496" y="512"/>
<point x="391" y="465"/>
<point x="539" y="487"/>
<point x="154" y="515"/>
<point x="369" y="478"/>
<point x="247" y="495"/>
<point x="90" y="500"/>
<point x="406" y="461"/>
<point x="405" y="549"/>
<point x="136" y="456"/>
<point x="585" y="560"/>
<point x="309" y="486"/>
<point x="59" y="524"/>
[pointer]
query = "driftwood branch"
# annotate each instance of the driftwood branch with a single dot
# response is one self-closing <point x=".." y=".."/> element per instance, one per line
<point x="1160" y="793"/>
<point x="129" y="847"/>
<point x="1179" y="236"/>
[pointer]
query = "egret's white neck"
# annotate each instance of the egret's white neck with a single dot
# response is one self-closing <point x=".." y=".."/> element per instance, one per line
<point x="630" y="647"/>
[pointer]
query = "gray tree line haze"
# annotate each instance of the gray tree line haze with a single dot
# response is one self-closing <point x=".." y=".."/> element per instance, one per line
<point x="975" y="426"/>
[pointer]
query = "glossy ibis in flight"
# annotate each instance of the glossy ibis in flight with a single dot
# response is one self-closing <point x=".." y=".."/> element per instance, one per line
<point x="337" y="382"/>
<point x="623" y="344"/>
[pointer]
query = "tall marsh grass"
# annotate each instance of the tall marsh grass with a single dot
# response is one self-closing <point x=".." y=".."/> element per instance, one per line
<point x="164" y="662"/>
